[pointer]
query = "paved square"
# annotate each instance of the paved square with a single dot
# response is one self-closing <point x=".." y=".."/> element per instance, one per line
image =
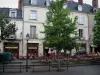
<point x="79" y="70"/>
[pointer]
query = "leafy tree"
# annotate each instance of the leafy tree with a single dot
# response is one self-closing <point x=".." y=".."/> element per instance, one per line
<point x="59" y="26"/>
<point x="7" y="28"/>
<point x="96" y="30"/>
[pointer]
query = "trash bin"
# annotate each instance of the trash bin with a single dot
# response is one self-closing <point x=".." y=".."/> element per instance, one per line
<point x="6" y="57"/>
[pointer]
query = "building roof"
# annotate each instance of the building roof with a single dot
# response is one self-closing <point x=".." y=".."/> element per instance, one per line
<point x="39" y="2"/>
<point x="71" y="4"/>
<point x="19" y="14"/>
<point x="6" y="11"/>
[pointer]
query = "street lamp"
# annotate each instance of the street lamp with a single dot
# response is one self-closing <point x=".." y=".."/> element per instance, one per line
<point x="67" y="52"/>
<point x="27" y="38"/>
<point x="82" y="39"/>
<point x="89" y="43"/>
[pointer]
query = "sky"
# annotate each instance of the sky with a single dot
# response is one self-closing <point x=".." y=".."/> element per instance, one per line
<point x="9" y="3"/>
<point x="14" y="3"/>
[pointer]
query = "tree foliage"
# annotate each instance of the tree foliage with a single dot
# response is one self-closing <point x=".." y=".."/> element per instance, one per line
<point x="59" y="26"/>
<point x="7" y="28"/>
<point x="96" y="30"/>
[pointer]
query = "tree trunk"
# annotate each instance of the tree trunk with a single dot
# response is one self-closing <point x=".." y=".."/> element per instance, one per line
<point x="58" y="62"/>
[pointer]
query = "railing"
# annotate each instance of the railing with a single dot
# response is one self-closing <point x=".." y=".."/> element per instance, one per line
<point x="34" y="36"/>
<point x="52" y="62"/>
<point x="11" y="65"/>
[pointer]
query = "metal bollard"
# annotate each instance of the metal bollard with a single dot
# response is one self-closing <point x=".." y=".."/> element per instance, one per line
<point x="3" y="67"/>
<point x="49" y="66"/>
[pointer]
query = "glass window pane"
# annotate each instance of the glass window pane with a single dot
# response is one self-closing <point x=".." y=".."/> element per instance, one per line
<point x="33" y="14"/>
<point x="13" y="14"/>
<point x="32" y="31"/>
<point x="34" y="2"/>
<point x="80" y="33"/>
<point x="80" y="20"/>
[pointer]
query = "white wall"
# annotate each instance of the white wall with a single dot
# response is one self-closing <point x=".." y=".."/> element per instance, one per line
<point x="39" y="28"/>
<point x="19" y="24"/>
<point x="41" y="13"/>
<point x="41" y="18"/>
<point x="85" y="26"/>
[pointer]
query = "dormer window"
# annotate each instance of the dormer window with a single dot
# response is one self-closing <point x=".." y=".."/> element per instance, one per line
<point x="65" y="6"/>
<point x="34" y="2"/>
<point x="79" y="7"/>
<point x="47" y="3"/>
<point x="12" y="13"/>
<point x="94" y="10"/>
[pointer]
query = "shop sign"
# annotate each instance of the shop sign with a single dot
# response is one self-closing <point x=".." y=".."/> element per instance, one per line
<point x="11" y="47"/>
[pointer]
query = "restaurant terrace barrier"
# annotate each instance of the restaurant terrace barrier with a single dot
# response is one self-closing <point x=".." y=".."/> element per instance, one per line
<point x="11" y="66"/>
<point x="53" y="62"/>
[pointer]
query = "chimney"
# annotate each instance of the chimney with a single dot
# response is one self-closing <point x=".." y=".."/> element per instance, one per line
<point x="70" y="0"/>
<point x="20" y="4"/>
<point x="95" y="3"/>
<point x="80" y="2"/>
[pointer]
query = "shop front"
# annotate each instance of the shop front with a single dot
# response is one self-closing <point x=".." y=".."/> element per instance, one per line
<point x="46" y="51"/>
<point x="32" y="50"/>
<point x="13" y="48"/>
<point x="94" y="49"/>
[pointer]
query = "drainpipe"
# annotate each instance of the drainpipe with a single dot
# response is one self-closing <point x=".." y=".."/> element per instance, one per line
<point x="88" y="41"/>
<point x="23" y="31"/>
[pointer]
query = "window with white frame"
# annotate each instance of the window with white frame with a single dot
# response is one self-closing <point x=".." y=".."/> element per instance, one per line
<point x="13" y="14"/>
<point x="32" y="32"/>
<point x="81" y="20"/>
<point x="80" y="33"/>
<point x="33" y="15"/>
<point x="34" y="2"/>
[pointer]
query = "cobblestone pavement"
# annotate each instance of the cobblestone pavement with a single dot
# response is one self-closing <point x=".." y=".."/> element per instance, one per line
<point x="79" y="70"/>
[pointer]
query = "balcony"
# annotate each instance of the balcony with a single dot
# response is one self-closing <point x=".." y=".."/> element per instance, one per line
<point x="11" y="37"/>
<point x="34" y="36"/>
